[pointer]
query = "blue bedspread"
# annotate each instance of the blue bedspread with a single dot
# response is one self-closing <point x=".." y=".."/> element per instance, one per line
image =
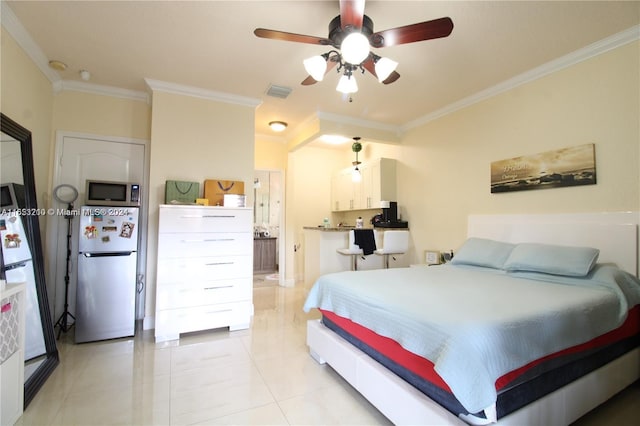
<point x="477" y="324"/>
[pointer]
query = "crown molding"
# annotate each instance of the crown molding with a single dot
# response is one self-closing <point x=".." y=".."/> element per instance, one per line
<point x="97" y="89"/>
<point x="197" y="92"/>
<point x="14" y="27"/>
<point x="341" y="119"/>
<point x="617" y="40"/>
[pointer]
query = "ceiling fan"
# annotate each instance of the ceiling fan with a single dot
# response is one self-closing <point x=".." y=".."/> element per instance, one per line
<point x="352" y="34"/>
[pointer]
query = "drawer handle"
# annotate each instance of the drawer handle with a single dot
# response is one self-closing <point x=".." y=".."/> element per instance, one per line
<point x="218" y="215"/>
<point x="217" y="288"/>
<point x="218" y="263"/>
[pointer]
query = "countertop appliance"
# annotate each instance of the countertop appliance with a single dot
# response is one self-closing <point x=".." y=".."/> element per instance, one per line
<point x="107" y="262"/>
<point x="389" y="217"/>
<point x="18" y="267"/>
<point x="112" y="194"/>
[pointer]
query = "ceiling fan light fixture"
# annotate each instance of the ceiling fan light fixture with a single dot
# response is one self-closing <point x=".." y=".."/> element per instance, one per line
<point x="355" y="48"/>
<point x="347" y="84"/>
<point x="316" y="67"/>
<point x="278" y="126"/>
<point x="384" y="68"/>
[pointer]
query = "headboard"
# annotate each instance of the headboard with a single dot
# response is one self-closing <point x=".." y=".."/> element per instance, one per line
<point x="614" y="234"/>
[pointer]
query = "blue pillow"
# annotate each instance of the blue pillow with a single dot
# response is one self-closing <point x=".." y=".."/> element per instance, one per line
<point x="552" y="259"/>
<point x="483" y="252"/>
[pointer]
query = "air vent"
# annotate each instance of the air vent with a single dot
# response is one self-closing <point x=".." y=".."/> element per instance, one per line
<point x="278" y="91"/>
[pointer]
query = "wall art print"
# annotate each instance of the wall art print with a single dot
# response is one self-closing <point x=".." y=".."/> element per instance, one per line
<point x="552" y="169"/>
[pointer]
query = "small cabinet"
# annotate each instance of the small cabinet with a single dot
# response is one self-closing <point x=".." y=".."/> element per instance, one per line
<point x="378" y="183"/>
<point x="12" y="336"/>
<point x="264" y="255"/>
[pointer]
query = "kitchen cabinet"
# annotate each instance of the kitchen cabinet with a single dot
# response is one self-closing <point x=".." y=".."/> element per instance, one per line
<point x="378" y="183"/>
<point x="264" y="255"/>
<point x="343" y="192"/>
<point x="204" y="271"/>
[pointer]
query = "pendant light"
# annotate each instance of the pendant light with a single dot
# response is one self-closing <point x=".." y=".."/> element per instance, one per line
<point x="356" y="175"/>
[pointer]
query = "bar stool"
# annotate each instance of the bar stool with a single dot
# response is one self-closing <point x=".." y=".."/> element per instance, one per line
<point x="393" y="242"/>
<point x="352" y="250"/>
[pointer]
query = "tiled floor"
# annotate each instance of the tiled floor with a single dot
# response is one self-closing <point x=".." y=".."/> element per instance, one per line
<point x="259" y="376"/>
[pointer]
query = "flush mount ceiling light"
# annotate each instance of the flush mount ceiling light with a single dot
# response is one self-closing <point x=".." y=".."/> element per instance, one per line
<point x="352" y="36"/>
<point x="57" y="65"/>
<point x="278" y="126"/>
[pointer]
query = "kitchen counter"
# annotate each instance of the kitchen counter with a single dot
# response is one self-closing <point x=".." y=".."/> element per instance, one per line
<point x="333" y="229"/>
<point x="321" y="256"/>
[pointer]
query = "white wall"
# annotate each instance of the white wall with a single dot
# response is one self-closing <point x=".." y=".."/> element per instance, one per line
<point x="444" y="169"/>
<point x="194" y="139"/>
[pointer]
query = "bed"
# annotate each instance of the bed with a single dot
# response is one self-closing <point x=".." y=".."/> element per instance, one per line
<point x="588" y="314"/>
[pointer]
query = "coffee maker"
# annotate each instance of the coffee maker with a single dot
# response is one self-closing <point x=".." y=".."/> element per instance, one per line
<point x="390" y="216"/>
<point x="389" y="211"/>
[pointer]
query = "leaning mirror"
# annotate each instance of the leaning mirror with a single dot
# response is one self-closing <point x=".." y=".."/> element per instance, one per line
<point x="22" y="251"/>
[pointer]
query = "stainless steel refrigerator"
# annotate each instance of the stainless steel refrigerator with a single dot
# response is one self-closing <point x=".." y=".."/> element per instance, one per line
<point x="107" y="261"/>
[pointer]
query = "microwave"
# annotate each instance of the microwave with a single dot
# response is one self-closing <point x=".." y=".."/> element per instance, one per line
<point x="11" y="196"/>
<point x="110" y="193"/>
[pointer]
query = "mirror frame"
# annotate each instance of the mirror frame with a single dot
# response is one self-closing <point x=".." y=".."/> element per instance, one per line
<point x="52" y="359"/>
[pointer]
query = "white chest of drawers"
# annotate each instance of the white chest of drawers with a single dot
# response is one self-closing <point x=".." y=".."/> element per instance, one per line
<point x="205" y="269"/>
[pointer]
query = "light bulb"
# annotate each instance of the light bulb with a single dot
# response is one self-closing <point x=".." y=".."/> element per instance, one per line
<point x="355" y="48"/>
<point x="356" y="176"/>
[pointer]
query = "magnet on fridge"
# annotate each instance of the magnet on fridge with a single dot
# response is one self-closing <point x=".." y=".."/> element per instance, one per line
<point x="12" y="241"/>
<point x="105" y="239"/>
<point x="127" y="230"/>
<point x="90" y="232"/>
<point x="3" y="225"/>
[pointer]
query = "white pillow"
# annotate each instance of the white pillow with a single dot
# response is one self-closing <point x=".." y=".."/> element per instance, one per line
<point x="483" y="252"/>
<point x="552" y="259"/>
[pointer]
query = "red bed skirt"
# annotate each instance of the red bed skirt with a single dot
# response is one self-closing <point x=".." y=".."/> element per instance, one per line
<point x="424" y="368"/>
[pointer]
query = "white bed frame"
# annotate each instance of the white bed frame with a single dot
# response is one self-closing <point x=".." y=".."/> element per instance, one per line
<point x="615" y="234"/>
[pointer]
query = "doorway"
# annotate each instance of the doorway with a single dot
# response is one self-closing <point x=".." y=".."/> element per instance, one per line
<point x="267" y="220"/>
<point x="79" y="157"/>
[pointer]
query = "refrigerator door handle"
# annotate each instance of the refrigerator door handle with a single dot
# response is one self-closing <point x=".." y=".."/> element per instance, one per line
<point x="14" y="266"/>
<point x="109" y="254"/>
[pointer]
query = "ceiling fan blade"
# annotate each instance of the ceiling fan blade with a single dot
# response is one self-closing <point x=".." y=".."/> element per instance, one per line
<point x="392" y="77"/>
<point x="428" y="30"/>
<point x="309" y="81"/>
<point x="298" y="38"/>
<point x="370" y="66"/>
<point x="333" y="60"/>
<point x="351" y="13"/>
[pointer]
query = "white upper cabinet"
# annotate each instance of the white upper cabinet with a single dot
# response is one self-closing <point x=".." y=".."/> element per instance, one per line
<point x="378" y="183"/>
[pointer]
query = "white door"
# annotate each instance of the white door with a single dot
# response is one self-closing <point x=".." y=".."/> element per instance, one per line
<point x="81" y="157"/>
